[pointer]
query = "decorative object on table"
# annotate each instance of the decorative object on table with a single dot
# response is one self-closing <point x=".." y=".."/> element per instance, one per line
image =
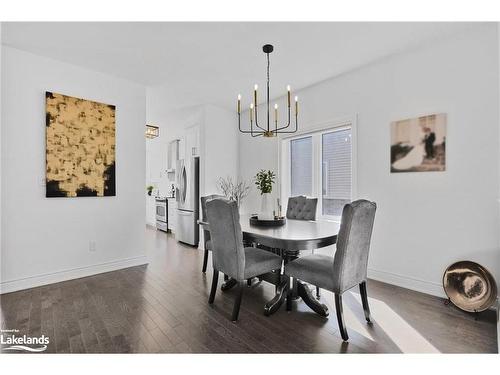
<point x="268" y="130"/>
<point x="235" y="191"/>
<point x="278" y="204"/>
<point x="276" y="222"/>
<point x="264" y="181"/>
<point x="152" y="131"/>
<point x="470" y="286"/>
<point x="80" y="147"/>
<point x="150" y="189"/>
<point x="419" y="144"/>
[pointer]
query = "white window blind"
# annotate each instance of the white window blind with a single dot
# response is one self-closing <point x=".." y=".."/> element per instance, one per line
<point x="301" y="153"/>
<point x="336" y="171"/>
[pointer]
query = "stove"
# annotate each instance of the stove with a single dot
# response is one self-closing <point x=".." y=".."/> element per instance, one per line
<point x="161" y="214"/>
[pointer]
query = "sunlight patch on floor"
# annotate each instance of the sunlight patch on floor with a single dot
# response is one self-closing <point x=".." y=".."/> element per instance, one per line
<point x="356" y="323"/>
<point x="407" y="339"/>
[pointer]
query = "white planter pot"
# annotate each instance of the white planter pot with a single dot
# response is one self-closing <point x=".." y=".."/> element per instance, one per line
<point x="266" y="209"/>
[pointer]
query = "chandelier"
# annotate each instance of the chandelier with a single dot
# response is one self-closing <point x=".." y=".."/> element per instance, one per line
<point x="152" y="131"/>
<point x="267" y="130"/>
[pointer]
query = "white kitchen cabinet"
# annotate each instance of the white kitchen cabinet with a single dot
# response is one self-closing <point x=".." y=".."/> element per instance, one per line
<point x="172" y="208"/>
<point x="150" y="210"/>
<point x="192" y="141"/>
<point x="172" y="154"/>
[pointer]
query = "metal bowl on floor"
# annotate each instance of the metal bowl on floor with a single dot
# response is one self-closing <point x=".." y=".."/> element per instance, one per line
<point x="470" y="286"/>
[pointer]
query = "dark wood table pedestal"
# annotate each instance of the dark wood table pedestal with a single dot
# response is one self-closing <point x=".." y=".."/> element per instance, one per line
<point x="285" y="287"/>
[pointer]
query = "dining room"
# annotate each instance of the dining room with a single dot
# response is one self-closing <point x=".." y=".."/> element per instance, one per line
<point x="239" y="197"/>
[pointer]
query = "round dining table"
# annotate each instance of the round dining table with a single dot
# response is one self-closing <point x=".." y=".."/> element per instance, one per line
<point x="288" y="240"/>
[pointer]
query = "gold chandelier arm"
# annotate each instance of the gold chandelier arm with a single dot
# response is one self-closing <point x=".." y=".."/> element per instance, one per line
<point x="256" y="123"/>
<point x="288" y="124"/>
<point x="290" y="131"/>
<point x="251" y="131"/>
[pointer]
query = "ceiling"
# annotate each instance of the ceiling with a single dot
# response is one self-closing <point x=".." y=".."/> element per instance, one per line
<point x="200" y="63"/>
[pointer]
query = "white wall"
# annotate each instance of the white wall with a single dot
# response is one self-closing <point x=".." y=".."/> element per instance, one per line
<point x="425" y="221"/>
<point x="0" y="151"/>
<point x="498" y="228"/>
<point x="172" y="124"/>
<point x="47" y="240"/>
<point x="218" y="142"/>
<point x="219" y="147"/>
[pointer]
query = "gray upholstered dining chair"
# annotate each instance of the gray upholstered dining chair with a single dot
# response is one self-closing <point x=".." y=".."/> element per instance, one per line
<point x="302" y="208"/>
<point x="348" y="267"/>
<point x="228" y="253"/>
<point x="206" y="234"/>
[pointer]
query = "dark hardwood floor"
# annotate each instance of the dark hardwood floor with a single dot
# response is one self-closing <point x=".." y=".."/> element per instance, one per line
<point x="162" y="308"/>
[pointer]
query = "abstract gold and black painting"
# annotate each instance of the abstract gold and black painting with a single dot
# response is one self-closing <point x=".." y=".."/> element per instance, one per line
<point x="80" y="147"/>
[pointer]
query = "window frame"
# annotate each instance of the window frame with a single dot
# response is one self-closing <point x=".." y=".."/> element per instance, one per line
<point x="316" y="132"/>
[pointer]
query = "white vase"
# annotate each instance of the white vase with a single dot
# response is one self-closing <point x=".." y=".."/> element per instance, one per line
<point x="266" y="210"/>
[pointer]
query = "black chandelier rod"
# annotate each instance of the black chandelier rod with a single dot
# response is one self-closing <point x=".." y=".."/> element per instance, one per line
<point x="267" y="97"/>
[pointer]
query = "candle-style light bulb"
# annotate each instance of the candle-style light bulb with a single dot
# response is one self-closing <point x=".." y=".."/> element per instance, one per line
<point x="288" y="88"/>
<point x="255" y="87"/>
<point x="255" y="94"/>
<point x="296" y="105"/>
<point x="251" y="112"/>
<point x="288" y="95"/>
<point x="275" y="106"/>
<point x="276" y="113"/>
<point x="239" y="103"/>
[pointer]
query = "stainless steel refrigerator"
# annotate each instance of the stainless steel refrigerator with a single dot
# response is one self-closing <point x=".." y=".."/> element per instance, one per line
<point x="188" y="191"/>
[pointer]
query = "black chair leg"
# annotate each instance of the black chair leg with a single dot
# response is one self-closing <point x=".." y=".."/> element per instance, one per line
<point x="318" y="295"/>
<point x="226" y="277"/>
<point x="364" y="300"/>
<point x="340" y="317"/>
<point x="289" y="295"/>
<point x="237" y="301"/>
<point x="249" y="282"/>
<point x="215" y="280"/>
<point x="205" y="261"/>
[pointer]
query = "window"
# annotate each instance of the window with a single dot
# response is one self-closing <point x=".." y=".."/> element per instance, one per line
<point x="301" y="163"/>
<point x="336" y="171"/>
<point x="319" y="164"/>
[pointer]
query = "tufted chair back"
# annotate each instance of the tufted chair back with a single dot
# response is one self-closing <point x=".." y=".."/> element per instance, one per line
<point x="301" y="208"/>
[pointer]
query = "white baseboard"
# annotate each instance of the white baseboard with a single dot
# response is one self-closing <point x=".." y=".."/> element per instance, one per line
<point x="75" y="273"/>
<point x="418" y="285"/>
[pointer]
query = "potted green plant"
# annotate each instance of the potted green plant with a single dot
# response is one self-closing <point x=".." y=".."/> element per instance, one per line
<point x="149" y="189"/>
<point x="264" y="181"/>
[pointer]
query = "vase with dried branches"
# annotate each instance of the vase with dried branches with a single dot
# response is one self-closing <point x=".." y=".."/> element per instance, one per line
<point x="233" y="190"/>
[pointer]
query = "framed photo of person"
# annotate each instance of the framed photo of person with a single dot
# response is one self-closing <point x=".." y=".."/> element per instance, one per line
<point x="419" y="144"/>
